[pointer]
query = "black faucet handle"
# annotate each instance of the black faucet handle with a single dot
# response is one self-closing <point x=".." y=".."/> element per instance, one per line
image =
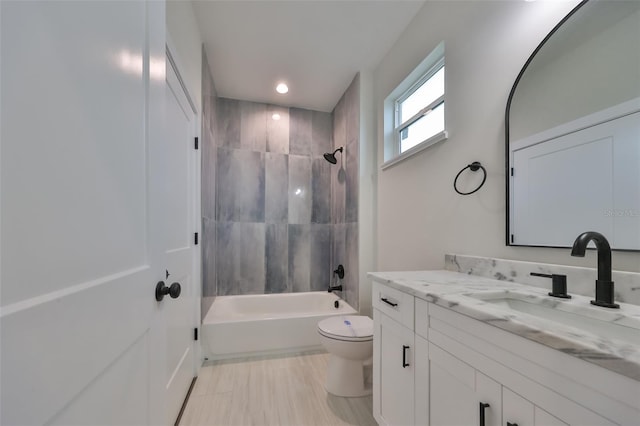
<point x="339" y="272"/>
<point x="558" y="284"/>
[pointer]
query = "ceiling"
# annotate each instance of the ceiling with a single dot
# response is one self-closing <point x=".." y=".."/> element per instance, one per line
<point x="315" y="46"/>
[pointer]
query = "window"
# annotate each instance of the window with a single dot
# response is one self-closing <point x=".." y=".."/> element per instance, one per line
<point x="417" y="109"/>
<point x="420" y="111"/>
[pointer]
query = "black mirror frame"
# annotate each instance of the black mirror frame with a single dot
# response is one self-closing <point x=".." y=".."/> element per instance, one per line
<point x="507" y="174"/>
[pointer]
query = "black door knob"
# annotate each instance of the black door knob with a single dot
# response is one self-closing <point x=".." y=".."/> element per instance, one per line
<point x="162" y="290"/>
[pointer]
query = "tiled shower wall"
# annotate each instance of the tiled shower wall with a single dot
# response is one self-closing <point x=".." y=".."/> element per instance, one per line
<point x="273" y="199"/>
<point x="277" y="217"/>
<point x="208" y="204"/>
<point x="344" y="185"/>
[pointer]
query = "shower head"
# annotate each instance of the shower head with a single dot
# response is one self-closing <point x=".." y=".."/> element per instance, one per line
<point x="331" y="157"/>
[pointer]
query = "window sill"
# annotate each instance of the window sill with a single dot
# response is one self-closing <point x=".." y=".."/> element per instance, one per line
<point x="439" y="137"/>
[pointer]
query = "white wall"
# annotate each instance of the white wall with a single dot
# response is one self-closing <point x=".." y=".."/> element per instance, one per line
<point x="184" y="34"/>
<point x="366" y="198"/>
<point x="420" y="217"/>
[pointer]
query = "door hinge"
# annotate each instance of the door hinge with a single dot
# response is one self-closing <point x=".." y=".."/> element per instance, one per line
<point x="195" y="238"/>
<point x="511" y="237"/>
<point x="196" y="143"/>
<point x="512" y="171"/>
<point x="195" y="333"/>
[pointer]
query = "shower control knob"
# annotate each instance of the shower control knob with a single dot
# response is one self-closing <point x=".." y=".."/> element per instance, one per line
<point x="162" y="290"/>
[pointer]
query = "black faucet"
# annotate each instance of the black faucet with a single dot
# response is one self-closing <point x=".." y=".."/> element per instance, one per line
<point x="335" y="288"/>
<point x="340" y="273"/>
<point x="604" y="285"/>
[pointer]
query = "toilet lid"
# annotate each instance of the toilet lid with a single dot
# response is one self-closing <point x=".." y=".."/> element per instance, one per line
<point x="347" y="327"/>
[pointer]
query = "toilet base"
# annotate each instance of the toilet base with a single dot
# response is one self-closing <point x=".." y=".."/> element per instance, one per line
<point x="346" y="378"/>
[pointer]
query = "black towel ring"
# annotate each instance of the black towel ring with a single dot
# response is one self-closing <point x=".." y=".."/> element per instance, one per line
<point x="474" y="168"/>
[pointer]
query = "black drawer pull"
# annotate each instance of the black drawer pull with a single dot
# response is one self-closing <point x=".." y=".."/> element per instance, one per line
<point x="512" y="424"/>
<point x="387" y="302"/>
<point x="483" y="405"/>
<point x="405" y="364"/>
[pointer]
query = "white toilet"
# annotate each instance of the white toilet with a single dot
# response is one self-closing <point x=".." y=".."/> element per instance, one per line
<point x="349" y="341"/>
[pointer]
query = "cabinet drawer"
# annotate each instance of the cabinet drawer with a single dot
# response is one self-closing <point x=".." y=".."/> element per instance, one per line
<point x="393" y="303"/>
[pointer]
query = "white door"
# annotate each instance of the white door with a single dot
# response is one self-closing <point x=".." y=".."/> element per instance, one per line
<point x="179" y="314"/>
<point x="82" y="214"/>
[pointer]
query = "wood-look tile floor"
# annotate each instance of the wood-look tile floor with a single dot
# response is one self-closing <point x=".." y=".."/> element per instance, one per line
<point x="271" y="390"/>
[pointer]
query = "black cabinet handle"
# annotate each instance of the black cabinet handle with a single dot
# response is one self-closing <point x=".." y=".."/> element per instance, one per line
<point x="387" y="302"/>
<point x="482" y="408"/>
<point x="405" y="364"/>
<point x="512" y="424"/>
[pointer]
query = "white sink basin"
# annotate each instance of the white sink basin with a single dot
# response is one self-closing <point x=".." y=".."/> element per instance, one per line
<point x="577" y="314"/>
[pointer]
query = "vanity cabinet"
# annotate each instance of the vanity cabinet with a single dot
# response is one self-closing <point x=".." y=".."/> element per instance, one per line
<point x="462" y="395"/>
<point x="393" y="357"/>
<point x="434" y="366"/>
<point x="393" y="360"/>
<point x="459" y="393"/>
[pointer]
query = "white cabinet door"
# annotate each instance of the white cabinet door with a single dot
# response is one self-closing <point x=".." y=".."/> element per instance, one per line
<point x="516" y="410"/>
<point x="82" y="214"/>
<point x="459" y="394"/>
<point x="393" y="358"/>
<point x="488" y="391"/>
<point x="452" y="390"/>
<point x="421" y="397"/>
<point x="542" y="418"/>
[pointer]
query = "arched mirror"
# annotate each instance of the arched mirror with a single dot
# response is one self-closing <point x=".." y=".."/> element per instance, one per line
<point x="573" y="132"/>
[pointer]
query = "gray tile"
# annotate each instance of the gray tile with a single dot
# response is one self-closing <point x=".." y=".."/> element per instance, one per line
<point x="208" y="258"/>
<point x="338" y="172"/>
<point x="228" y="123"/>
<point x="240" y="258"/>
<point x="278" y="130"/>
<point x="240" y="186"/>
<point x="351" y="276"/>
<point x="339" y="124"/>
<point x="352" y="109"/>
<point x="300" y="131"/>
<point x="208" y="177"/>
<point x="277" y="258"/>
<point x="321" y="191"/>
<point x="299" y="257"/>
<point x="338" y="245"/>
<point x="351" y="182"/>
<point x="299" y="189"/>
<point x="338" y="194"/>
<point x="212" y="118"/>
<point x="320" y="257"/>
<point x="253" y="126"/>
<point x="321" y="133"/>
<point x="276" y="188"/>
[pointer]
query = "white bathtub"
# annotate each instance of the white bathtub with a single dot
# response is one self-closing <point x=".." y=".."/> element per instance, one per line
<point x="238" y="326"/>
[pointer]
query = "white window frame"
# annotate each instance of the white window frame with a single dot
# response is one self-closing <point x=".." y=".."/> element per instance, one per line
<point x="423" y="72"/>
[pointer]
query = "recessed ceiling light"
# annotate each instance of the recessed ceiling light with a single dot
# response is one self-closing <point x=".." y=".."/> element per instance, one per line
<point x="282" y="88"/>
<point x="276" y="116"/>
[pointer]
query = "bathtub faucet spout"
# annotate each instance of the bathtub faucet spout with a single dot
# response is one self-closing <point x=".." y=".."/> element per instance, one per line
<point x="335" y="288"/>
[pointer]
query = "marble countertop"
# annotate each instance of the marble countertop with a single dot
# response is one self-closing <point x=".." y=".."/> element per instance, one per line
<point x="452" y="290"/>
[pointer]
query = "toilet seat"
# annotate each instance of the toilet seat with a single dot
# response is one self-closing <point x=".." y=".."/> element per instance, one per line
<point x="348" y="328"/>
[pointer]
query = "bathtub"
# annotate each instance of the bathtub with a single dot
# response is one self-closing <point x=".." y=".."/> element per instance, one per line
<point x="237" y="326"/>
